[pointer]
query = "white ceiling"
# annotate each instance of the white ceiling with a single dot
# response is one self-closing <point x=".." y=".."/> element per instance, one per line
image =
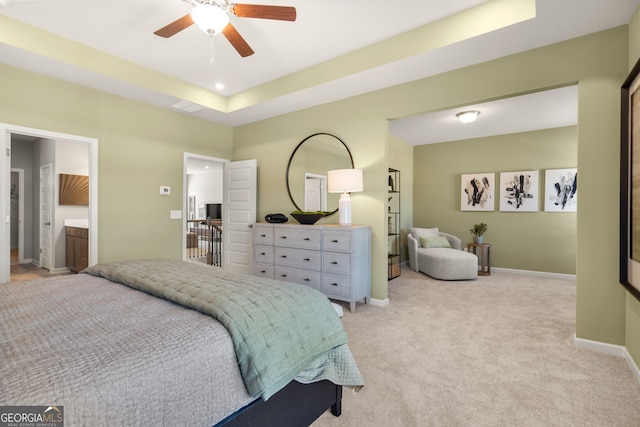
<point x="289" y="51"/>
<point x="540" y="110"/>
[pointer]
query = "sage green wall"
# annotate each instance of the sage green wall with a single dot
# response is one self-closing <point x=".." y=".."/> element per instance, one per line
<point x="401" y="158"/>
<point x="596" y="62"/>
<point x="536" y="241"/>
<point x="632" y="309"/>
<point x="140" y="148"/>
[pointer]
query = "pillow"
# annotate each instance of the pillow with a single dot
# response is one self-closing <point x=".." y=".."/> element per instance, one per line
<point x="435" y="242"/>
<point x="418" y="233"/>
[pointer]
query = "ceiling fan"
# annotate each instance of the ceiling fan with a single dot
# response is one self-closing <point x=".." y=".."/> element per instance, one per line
<point x="212" y="16"/>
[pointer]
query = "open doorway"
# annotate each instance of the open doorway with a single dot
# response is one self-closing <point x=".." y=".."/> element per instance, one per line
<point x="29" y="149"/>
<point x="238" y="208"/>
<point x="204" y="192"/>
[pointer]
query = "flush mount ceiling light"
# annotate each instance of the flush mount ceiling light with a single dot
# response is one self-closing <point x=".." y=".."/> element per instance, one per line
<point x="468" y="116"/>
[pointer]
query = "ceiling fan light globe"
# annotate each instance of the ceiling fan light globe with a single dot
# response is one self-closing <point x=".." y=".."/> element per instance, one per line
<point x="209" y="18"/>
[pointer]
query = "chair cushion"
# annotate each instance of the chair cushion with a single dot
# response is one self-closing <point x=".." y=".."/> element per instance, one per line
<point x="435" y="242"/>
<point x="418" y="233"/>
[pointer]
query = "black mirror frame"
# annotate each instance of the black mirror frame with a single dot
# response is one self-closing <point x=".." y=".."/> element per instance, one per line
<point x="294" y="153"/>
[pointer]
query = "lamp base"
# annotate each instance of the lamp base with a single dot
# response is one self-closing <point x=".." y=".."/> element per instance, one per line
<point x="344" y="205"/>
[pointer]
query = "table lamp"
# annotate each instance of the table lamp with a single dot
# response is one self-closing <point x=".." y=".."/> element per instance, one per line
<point x="344" y="181"/>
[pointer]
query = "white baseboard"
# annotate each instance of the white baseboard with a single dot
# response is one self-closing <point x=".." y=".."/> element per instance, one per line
<point x="632" y="364"/>
<point x="535" y="273"/>
<point x="615" y="350"/>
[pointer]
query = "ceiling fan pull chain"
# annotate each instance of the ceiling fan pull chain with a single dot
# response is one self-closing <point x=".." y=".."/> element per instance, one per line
<point x="211" y="50"/>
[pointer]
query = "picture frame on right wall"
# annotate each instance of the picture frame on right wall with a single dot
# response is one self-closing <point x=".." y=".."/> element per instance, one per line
<point x="629" y="267"/>
<point x="519" y="191"/>
<point x="561" y="190"/>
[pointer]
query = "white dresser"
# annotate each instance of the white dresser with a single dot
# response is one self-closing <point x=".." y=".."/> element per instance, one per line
<point x="332" y="259"/>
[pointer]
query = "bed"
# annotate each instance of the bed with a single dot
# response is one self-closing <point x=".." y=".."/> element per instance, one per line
<point x="165" y="342"/>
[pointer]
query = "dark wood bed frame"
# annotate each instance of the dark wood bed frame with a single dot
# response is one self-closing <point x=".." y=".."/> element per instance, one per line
<point x="295" y="405"/>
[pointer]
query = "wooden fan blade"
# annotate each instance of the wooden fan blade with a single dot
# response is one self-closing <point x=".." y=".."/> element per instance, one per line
<point x="175" y="27"/>
<point x="281" y="13"/>
<point x="237" y="41"/>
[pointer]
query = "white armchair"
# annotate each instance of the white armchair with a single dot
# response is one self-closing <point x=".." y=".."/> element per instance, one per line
<point x="441" y="259"/>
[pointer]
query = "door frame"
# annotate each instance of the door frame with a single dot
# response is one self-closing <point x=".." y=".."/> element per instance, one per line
<point x="6" y="130"/>
<point x="49" y="252"/>
<point x="20" y="173"/>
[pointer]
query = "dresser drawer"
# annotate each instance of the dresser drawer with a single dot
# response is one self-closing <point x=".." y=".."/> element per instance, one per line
<point x="298" y="275"/>
<point x="263" y="253"/>
<point x="336" y="262"/>
<point x="303" y="238"/>
<point x="300" y="258"/>
<point x="263" y="270"/>
<point x="336" y="240"/>
<point x="262" y="235"/>
<point x="336" y="284"/>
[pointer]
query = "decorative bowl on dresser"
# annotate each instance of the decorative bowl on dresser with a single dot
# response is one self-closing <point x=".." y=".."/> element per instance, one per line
<point x="332" y="259"/>
<point x="308" y="218"/>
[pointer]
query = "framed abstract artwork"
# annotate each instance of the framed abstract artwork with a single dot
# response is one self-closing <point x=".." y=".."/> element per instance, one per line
<point x="74" y="190"/>
<point x="519" y="191"/>
<point x="630" y="183"/>
<point x="561" y="190"/>
<point x="477" y="192"/>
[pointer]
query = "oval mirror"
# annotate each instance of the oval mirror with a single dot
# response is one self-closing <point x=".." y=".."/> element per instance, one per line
<point x="307" y="172"/>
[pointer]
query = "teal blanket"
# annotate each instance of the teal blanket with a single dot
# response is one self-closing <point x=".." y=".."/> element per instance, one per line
<point x="277" y="328"/>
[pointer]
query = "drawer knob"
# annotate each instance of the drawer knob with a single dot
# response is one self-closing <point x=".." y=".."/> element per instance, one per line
<point x="283" y="256"/>
<point x="334" y="241"/>
<point x="262" y="253"/>
<point x="306" y="238"/>
<point x="334" y="284"/>
<point x="307" y="259"/>
<point x="307" y="280"/>
<point x="283" y="275"/>
<point x="263" y="271"/>
<point x="283" y="237"/>
<point x="334" y="262"/>
<point x="263" y="235"/>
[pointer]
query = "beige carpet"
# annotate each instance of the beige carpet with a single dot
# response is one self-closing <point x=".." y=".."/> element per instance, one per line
<point x="496" y="351"/>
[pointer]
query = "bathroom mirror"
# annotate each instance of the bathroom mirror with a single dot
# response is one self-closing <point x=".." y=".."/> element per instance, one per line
<point x="307" y="171"/>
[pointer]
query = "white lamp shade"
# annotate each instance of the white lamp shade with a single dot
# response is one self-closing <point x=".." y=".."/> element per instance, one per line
<point x="211" y="19"/>
<point x="344" y="180"/>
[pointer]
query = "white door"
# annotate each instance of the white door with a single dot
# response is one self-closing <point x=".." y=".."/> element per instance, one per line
<point x="240" y="182"/>
<point x="315" y="196"/>
<point x="45" y="215"/>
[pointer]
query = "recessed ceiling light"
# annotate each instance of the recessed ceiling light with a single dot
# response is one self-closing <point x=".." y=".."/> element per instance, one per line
<point x="219" y="86"/>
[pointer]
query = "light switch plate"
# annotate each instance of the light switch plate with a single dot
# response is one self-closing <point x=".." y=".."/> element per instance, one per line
<point x="165" y="191"/>
<point x="175" y="214"/>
